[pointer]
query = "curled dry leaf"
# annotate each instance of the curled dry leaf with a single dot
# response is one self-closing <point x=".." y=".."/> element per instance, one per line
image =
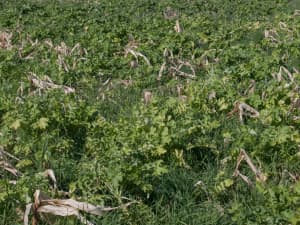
<point x="64" y="207"/>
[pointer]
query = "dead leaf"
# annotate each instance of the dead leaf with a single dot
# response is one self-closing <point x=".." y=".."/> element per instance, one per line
<point x="65" y="208"/>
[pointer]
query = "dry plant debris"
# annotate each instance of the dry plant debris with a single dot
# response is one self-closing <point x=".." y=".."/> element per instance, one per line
<point x="297" y="12"/>
<point x="50" y="174"/>
<point x="243" y="156"/>
<point x="243" y="110"/>
<point x="43" y="206"/>
<point x="47" y="84"/>
<point x="5" y="40"/>
<point x="177" y="27"/>
<point x="284" y="71"/>
<point x="251" y="89"/>
<point x="64" y="51"/>
<point x="176" y="67"/>
<point x="272" y="35"/>
<point x="170" y="13"/>
<point x="131" y="49"/>
<point x="32" y="53"/>
<point x="5" y="164"/>
<point x="147" y="97"/>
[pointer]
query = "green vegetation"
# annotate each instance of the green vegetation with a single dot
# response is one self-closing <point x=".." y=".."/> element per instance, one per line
<point x="152" y="102"/>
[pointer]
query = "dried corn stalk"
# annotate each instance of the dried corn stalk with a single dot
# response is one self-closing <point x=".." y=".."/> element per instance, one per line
<point x="251" y="89"/>
<point x="283" y="26"/>
<point x="5" y="40"/>
<point x="130" y="49"/>
<point x="243" y="110"/>
<point x="147" y="97"/>
<point x="176" y="67"/>
<point x="8" y="167"/>
<point x="170" y="13"/>
<point x="161" y="70"/>
<point x="243" y="156"/>
<point x="297" y="12"/>
<point x="47" y="84"/>
<point x="177" y="27"/>
<point x="44" y="206"/>
<point x="5" y="164"/>
<point x="64" y="51"/>
<point x="50" y="174"/>
<point x="272" y="35"/>
<point x="280" y="75"/>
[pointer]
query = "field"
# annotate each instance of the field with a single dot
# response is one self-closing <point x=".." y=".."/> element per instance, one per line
<point x="150" y="112"/>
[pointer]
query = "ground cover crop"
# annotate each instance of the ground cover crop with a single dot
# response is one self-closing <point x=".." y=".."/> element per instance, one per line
<point x="149" y="112"/>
